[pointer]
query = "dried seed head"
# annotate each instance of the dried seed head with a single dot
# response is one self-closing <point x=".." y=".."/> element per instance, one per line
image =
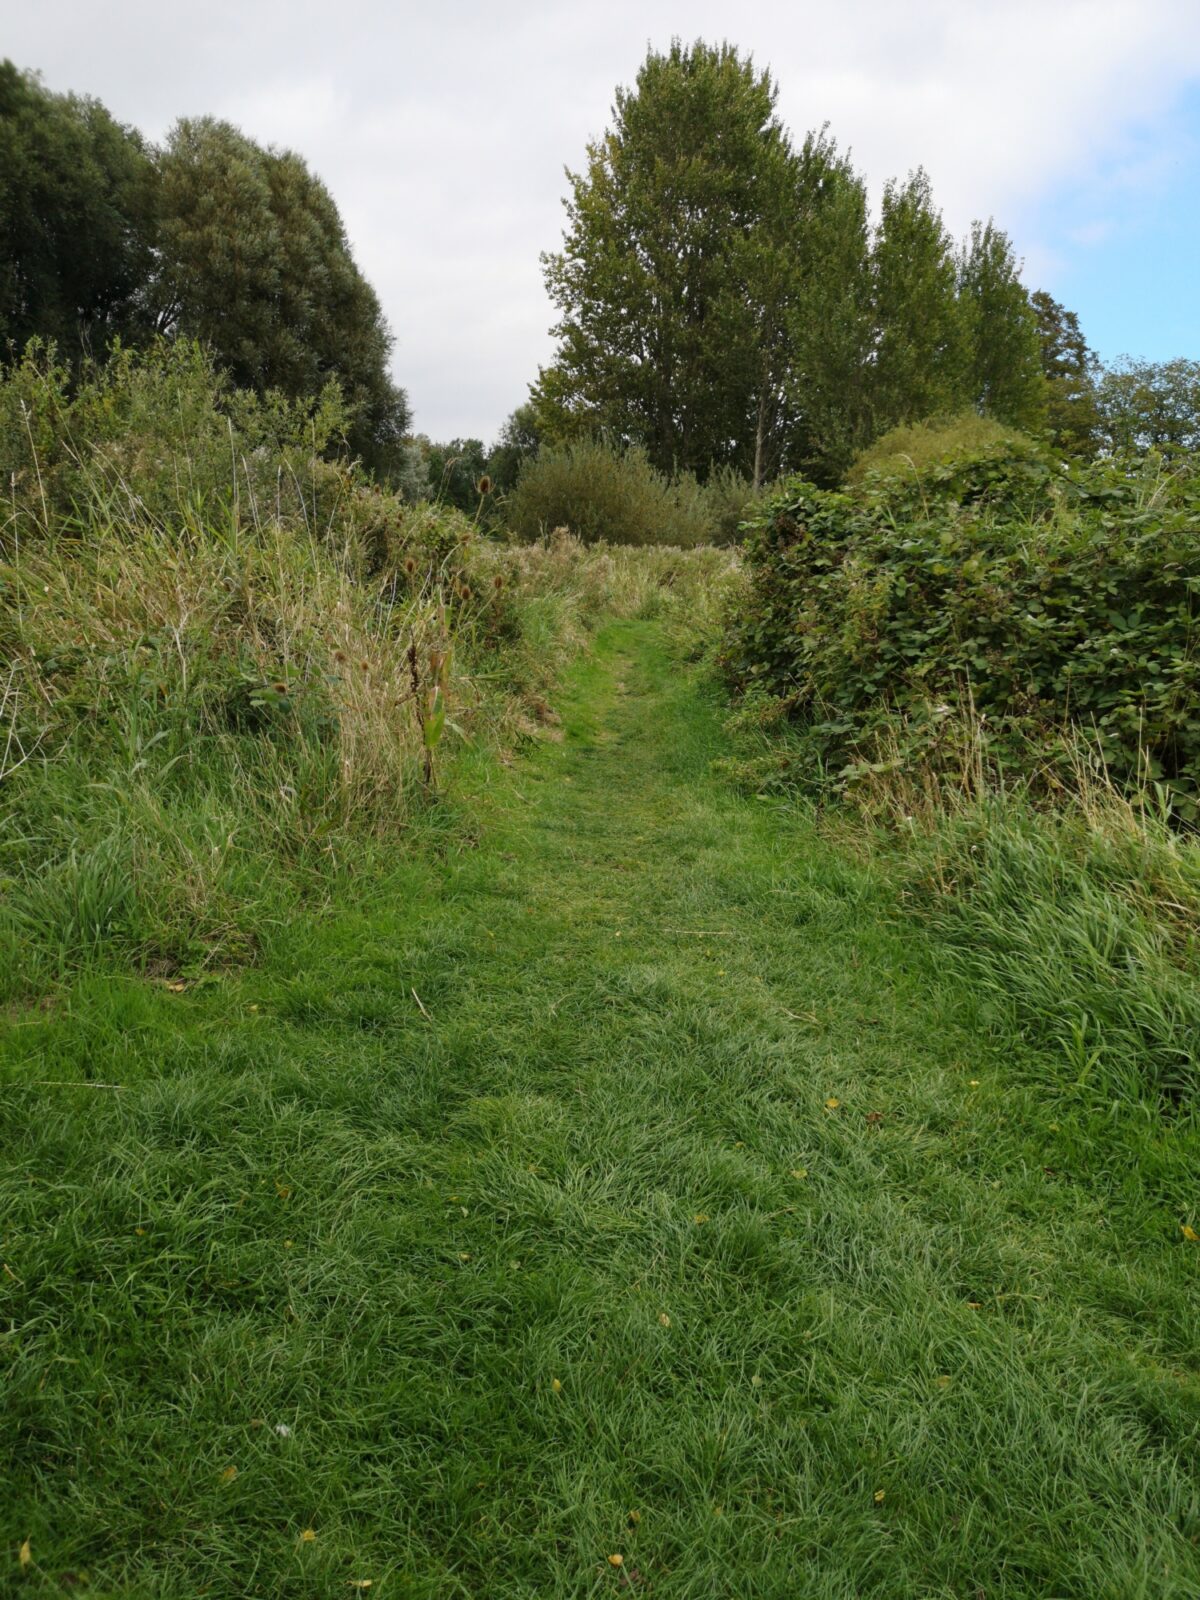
<point x="339" y="655"/>
<point x="498" y="582"/>
<point x="410" y="566"/>
<point x="365" y="666"/>
<point x="280" y="688"/>
<point x="484" y="485"/>
<point x="464" y="591"/>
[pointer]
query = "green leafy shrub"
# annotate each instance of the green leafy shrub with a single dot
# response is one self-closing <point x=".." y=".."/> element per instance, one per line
<point x="1032" y="598"/>
<point x="600" y="494"/>
<point x="913" y="448"/>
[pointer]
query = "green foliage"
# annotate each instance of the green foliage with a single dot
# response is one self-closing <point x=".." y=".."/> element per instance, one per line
<point x="254" y="261"/>
<point x="1147" y="405"/>
<point x="1004" y="366"/>
<point x="913" y="449"/>
<point x="1035" y="597"/>
<point x="724" y="300"/>
<point x="1069" y="367"/>
<point x="519" y="440"/>
<point x="602" y="494"/>
<point x="77" y="201"/>
<point x="921" y="354"/>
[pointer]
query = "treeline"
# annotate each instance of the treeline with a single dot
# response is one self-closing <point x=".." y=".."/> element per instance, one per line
<point x="730" y="310"/>
<point x="726" y="299"/>
<point x="106" y="238"/>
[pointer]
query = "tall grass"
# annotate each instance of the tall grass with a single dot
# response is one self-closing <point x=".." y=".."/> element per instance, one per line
<point x="221" y="657"/>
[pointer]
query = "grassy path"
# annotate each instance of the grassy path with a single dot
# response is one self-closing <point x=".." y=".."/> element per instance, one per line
<point x="623" y="1185"/>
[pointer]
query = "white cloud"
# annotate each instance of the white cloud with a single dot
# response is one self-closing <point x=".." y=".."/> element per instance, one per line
<point x="443" y="133"/>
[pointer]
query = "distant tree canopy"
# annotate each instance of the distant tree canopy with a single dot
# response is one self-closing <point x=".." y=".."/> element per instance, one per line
<point x="723" y="299"/>
<point x="1143" y="405"/>
<point x="211" y="237"/>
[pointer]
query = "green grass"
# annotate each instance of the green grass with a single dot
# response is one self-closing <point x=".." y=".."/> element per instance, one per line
<point x="628" y="1155"/>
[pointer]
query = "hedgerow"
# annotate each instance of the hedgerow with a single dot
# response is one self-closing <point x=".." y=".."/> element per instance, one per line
<point x="1041" y="601"/>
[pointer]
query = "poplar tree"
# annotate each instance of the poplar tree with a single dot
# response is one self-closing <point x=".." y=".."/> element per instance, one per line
<point x="1004" y="361"/>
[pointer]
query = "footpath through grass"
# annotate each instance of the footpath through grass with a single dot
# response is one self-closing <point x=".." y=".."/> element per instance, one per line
<point x="623" y="1184"/>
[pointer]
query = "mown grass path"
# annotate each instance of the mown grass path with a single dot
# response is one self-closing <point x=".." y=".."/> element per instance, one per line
<point x="625" y="1184"/>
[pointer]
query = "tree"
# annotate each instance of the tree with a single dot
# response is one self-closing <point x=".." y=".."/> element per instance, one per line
<point x="76" y="220"/>
<point x="519" y="440"/>
<point x="920" y="366"/>
<point x="672" y="281"/>
<point x="832" y="317"/>
<point x="1004" y="353"/>
<point x="1069" y="367"/>
<point x="254" y="261"/>
<point x="1144" y="405"/>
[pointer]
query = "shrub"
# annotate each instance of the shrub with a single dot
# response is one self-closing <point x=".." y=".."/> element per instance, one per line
<point x="600" y="494"/>
<point x="1039" y="597"/>
<point x="913" y="448"/>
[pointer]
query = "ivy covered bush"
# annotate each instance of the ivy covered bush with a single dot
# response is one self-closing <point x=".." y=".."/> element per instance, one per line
<point x="1038" y="600"/>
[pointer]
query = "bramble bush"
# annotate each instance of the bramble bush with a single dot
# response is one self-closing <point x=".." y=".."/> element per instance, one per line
<point x="1037" y="601"/>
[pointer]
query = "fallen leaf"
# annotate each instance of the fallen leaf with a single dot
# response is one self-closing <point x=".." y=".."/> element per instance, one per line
<point x="873" y="1117"/>
<point x="701" y="1216"/>
<point x="283" y="1190"/>
<point x="308" y="1536"/>
<point x="229" y="1474"/>
<point x="1189" y="1233"/>
<point x="664" y="1319"/>
<point x="556" y="1385"/>
<point x="24" y="1554"/>
<point x="942" y="1381"/>
<point x="176" y="988"/>
<point x="634" y="1518"/>
<point x="879" y="1494"/>
<point x="831" y="1104"/>
<point x="360" y="1583"/>
<point x="616" y="1561"/>
<point x="799" y="1172"/>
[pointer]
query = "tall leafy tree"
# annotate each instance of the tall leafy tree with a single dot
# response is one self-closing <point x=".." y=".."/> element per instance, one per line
<point x="76" y="220"/>
<point x="672" y="282"/>
<point x="1069" y="368"/>
<point x="832" y="316"/>
<point x="254" y="260"/>
<point x="1003" y="350"/>
<point x="921" y="358"/>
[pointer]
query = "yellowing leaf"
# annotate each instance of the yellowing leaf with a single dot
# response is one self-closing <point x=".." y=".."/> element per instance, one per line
<point x="283" y="1190"/>
<point x="701" y="1216"/>
<point x="1189" y="1233"/>
<point x="556" y="1385"/>
<point x="24" y="1554"/>
<point x="229" y="1474"/>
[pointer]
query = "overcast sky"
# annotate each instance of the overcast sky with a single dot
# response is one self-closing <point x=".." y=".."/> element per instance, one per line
<point x="443" y="131"/>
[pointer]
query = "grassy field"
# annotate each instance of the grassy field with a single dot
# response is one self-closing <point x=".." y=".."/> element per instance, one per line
<point x="614" y="1198"/>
